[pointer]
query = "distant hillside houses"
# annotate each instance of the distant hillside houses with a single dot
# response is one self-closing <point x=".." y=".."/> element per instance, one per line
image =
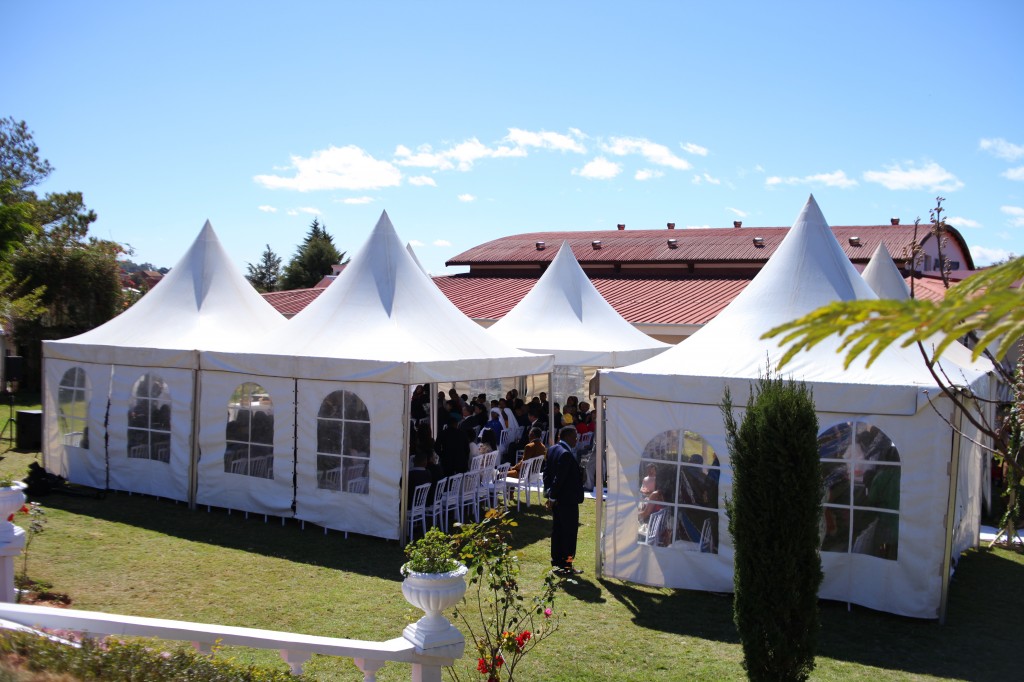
<point x="666" y="282"/>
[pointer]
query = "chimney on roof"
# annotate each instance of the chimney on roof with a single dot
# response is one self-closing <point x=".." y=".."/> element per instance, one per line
<point x="673" y="244"/>
<point x="758" y="241"/>
<point x="671" y="226"/>
<point x="540" y="246"/>
<point x="621" y="226"/>
<point x="737" y="223"/>
<point x="894" y="221"/>
<point x="854" y="240"/>
<point x="596" y="244"/>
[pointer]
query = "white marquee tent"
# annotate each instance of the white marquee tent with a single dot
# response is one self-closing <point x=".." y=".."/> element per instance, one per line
<point x="347" y="361"/>
<point x="563" y="314"/>
<point x="119" y="399"/>
<point x="883" y="277"/>
<point x="891" y="523"/>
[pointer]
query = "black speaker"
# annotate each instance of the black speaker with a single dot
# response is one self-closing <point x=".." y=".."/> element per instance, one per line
<point x="14" y="368"/>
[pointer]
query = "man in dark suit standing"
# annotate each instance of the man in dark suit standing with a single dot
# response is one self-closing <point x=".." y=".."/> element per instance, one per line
<point x="563" y="488"/>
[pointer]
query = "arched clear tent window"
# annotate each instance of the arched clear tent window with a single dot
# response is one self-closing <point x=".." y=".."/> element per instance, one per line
<point x="343" y="444"/>
<point x="249" y="436"/>
<point x="149" y="419"/>
<point x="860" y="469"/>
<point x="73" y="395"/>
<point x="678" y="503"/>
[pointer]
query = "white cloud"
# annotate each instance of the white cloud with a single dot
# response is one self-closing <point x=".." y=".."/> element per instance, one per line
<point x="931" y="176"/>
<point x="598" y="169"/>
<point x="698" y="227"/>
<point x="357" y="200"/>
<point x="335" y="168"/>
<point x="1015" y="173"/>
<point x="425" y="157"/>
<point x="547" y="140"/>
<point x="1016" y="214"/>
<point x="647" y="174"/>
<point x="704" y="177"/>
<point x="1002" y="149"/>
<point x="695" y="149"/>
<point x="834" y="179"/>
<point x="959" y="222"/>
<point x="738" y="212"/>
<point x="441" y="242"/>
<point x="985" y="256"/>
<point x="415" y="243"/>
<point x="462" y="156"/>
<point x="652" y="151"/>
<point x="422" y="181"/>
<point x="267" y="209"/>
<point x="466" y="198"/>
<point x="309" y="210"/>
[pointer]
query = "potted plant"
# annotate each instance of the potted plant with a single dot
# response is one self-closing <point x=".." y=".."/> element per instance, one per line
<point x="434" y="581"/>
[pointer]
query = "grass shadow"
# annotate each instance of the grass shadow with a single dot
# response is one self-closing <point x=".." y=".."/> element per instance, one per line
<point x="682" y="612"/>
<point x="363" y="555"/>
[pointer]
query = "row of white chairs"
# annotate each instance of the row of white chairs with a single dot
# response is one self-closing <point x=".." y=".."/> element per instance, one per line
<point x="463" y="495"/>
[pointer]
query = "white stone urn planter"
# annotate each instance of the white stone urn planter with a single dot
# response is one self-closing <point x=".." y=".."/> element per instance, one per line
<point x="12" y="497"/>
<point x="433" y="593"/>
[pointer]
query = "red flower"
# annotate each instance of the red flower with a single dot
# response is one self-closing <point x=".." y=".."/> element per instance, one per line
<point x="24" y="509"/>
<point x="482" y="667"/>
<point x="522" y="639"/>
<point x="499" y="660"/>
<point x="11" y="518"/>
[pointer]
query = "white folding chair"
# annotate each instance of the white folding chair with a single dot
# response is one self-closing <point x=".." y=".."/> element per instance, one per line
<point x="522" y="483"/>
<point x="476" y="463"/>
<point x="358" y="485"/>
<point x="494" y="485"/>
<point x="453" y="499"/>
<point x="654" y="523"/>
<point x="438" y="517"/>
<point x="418" y="509"/>
<point x="470" y="494"/>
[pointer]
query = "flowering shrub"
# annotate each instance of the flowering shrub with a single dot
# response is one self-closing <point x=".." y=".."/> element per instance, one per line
<point x="503" y="625"/>
<point x="34" y="513"/>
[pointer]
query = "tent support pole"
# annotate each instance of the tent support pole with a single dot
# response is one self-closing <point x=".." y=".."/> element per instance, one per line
<point x="403" y="505"/>
<point x="552" y="434"/>
<point x="954" y="475"/>
<point x="193" y="460"/>
<point x="599" y="447"/>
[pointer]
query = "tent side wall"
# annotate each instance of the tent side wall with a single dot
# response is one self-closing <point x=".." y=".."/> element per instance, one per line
<point x="258" y="478"/>
<point x="332" y="469"/>
<point x="160" y="463"/>
<point x="74" y="408"/>
<point x="908" y="585"/>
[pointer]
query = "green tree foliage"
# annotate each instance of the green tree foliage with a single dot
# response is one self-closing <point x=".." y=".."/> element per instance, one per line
<point x="987" y="304"/>
<point x="55" y="281"/>
<point x="774" y="518"/>
<point x="313" y="259"/>
<point x="265" y="275"/>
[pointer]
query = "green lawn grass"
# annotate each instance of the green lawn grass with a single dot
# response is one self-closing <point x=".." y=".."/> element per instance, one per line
<point x="138" y="555"/>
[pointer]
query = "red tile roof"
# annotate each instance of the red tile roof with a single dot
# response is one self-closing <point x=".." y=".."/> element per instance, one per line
<point x="290" y="302"/>
<point x="715" y="245"/>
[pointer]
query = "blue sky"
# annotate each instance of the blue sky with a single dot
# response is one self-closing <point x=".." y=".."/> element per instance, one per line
<point x="471" y="121"/>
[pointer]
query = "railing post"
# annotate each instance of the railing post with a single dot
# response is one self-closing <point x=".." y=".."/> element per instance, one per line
<point x="12" y="538"/>
<point x="369" y="668"/>
<point x="295" y="659"/>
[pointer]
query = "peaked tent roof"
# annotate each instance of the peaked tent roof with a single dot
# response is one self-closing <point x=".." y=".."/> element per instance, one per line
<point x="203" y="303"/>
<point x="807" y="271"/>
<point x="883" y="277"/>
<point x="385" y="321"/>
<point x="565" y="315"/>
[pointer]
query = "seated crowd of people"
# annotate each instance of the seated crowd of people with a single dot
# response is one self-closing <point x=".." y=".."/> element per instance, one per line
<point x="467" y="426"/>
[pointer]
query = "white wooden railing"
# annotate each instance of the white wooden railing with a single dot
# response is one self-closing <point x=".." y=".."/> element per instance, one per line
<point x="295" y="649"/>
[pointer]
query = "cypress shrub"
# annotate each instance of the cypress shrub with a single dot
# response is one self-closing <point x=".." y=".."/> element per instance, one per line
<point x="774" y="521"/>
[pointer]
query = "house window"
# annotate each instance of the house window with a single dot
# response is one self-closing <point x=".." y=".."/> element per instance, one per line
<point x="860" y="468"/>
<point x="73" y="395"/>
<point x="249" y="437"/>
<point x="149" y="419"/>
<point x="678" y="493"/>
<point x="343" y="444"/>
